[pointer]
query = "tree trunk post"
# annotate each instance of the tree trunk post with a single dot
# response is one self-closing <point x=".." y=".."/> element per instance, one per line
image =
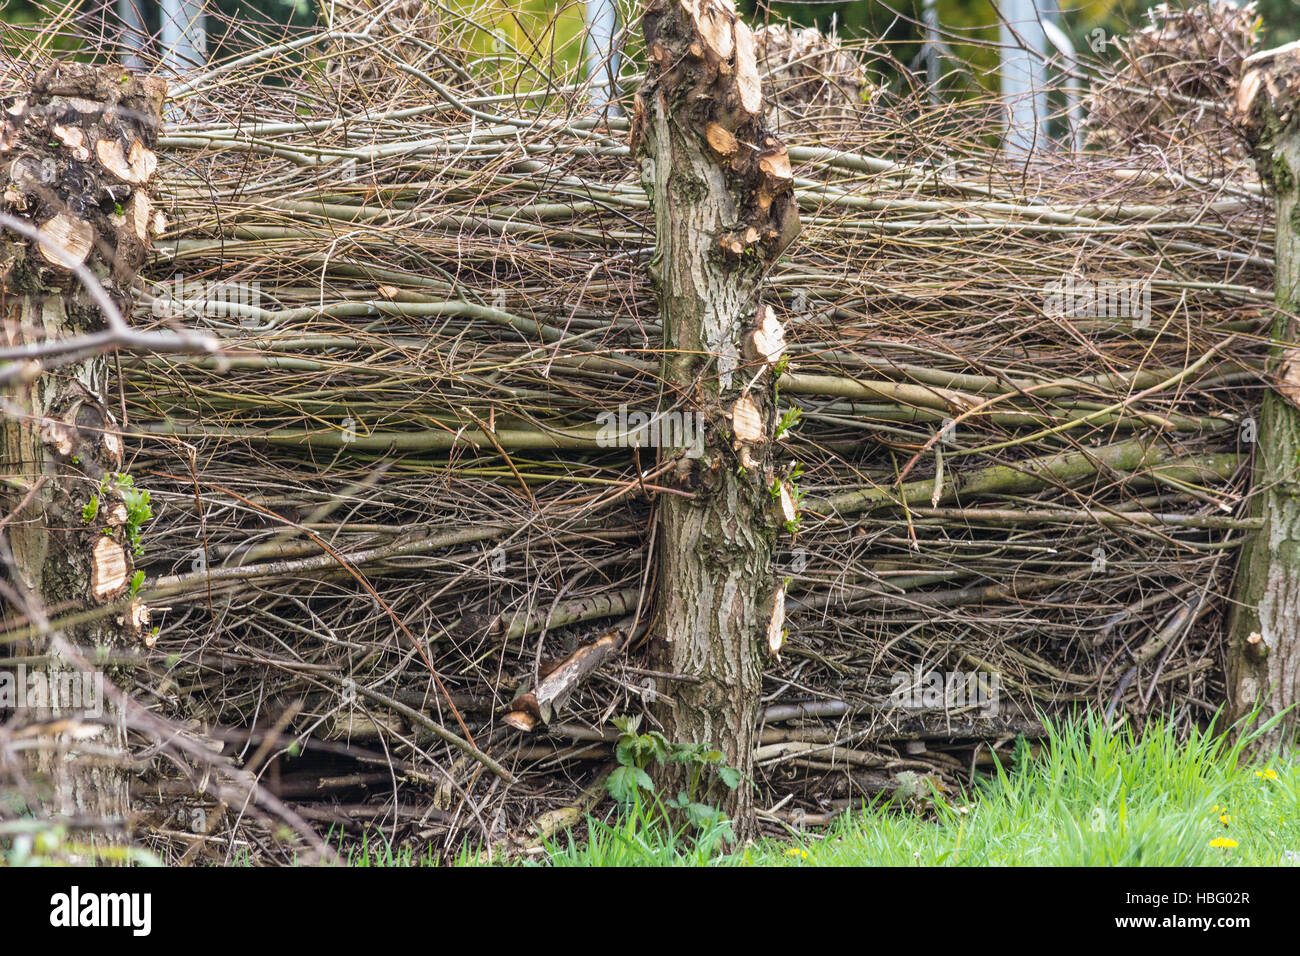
<point x="722" y="193"/>
<point x="76" y="154"/>
<point x="1263" y="655"/>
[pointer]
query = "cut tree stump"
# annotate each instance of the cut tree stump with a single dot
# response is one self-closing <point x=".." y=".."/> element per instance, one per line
<point x="721" y="188"/>
<point x="60" y="444"/>
<point x="1263" y="657"/>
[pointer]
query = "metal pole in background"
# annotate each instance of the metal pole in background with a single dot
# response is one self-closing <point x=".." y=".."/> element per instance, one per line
<point x="134" y="33"/>
<point x="184" y="37"/>
<point x="933" y="45"/>
<point x="601" y="54"/>
<point x="1024" y="76"/>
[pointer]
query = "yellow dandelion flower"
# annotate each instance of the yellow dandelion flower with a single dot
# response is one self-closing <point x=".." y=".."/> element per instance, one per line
<point x="1223" y="842"/>
<point x="1269" y="774"/>
<point x="796" y="851"/>
<point x="1225" y="819"/>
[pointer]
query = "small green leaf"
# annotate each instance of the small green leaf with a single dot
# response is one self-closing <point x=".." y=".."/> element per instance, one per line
<point x="685" y="753"/>
<point x="657" y="745"/>
<point x="625" y="751"/>
<point x="701" y="815"/>
<point x="627" y="725"/>
<point x="788" y="421"/>
<point x="624" y="782"/>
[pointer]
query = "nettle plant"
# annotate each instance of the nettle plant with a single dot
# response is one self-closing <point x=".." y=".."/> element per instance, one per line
<point x="636" y="752"/>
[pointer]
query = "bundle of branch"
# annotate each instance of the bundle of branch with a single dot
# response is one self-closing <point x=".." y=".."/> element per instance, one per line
<point x="404" y="32"/>
<point x="1166" y="93"/>
<point x="421" y="477"/>
<point x="811" y="78"/>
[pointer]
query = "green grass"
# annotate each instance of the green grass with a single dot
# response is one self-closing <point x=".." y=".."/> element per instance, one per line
<point x="377" y="851"/>
<point x="1090" y="797"/>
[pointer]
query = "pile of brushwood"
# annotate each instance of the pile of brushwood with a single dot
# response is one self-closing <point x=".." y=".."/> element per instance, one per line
<point x="1016" y="415"/>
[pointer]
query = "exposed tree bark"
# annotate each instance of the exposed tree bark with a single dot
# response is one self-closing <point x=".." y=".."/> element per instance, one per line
<point x="1263" y="658"/>
<point x="75" y="155"/>
<point x="721" y="189"/>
